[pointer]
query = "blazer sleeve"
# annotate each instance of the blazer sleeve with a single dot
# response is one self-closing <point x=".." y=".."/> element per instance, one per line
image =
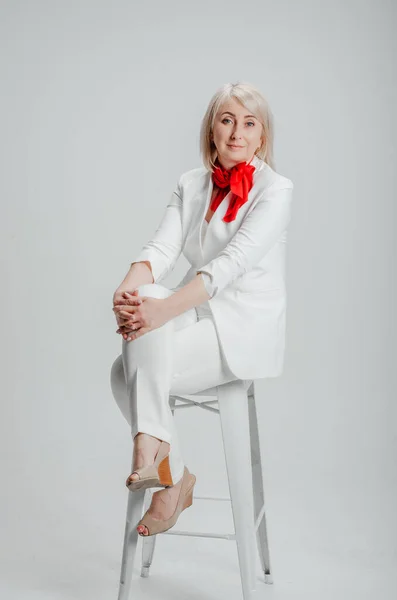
<point x="258" y="232"/>
<point x="163" y="250"/>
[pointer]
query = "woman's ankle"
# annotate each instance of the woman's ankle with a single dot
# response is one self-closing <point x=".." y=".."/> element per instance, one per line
<point x="142" y="434"/>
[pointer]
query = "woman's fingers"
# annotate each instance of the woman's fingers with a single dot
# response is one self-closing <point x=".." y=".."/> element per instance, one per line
<point x="137" y="334"/>
<point x="129" y="326"/>
<point x="127" y="332"/>
<point x="124" y="307"/>
<point x="128" y="300"/>
<point x="122" y="316"/>
<point x="126" y="313"/>
<point x="127" y="321"/>
<point x="132" y="325"/>
<point x="124" y="332"/>
<point x="131" y="300"/>
<point x="122" y="322"/>
<point x="128" y="318"/>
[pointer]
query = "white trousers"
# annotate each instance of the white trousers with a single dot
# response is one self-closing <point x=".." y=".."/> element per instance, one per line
<point x="181" y="357"/>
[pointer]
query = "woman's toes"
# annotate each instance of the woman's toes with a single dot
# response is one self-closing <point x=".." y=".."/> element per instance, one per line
<point x="131" y="478"/>
<point x="142" y="530"/>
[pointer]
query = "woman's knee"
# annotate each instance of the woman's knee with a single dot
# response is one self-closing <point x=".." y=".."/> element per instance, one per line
<point x="117" y="377"/>
<point x="154" y="290"/>
<point x="119" y="388"/>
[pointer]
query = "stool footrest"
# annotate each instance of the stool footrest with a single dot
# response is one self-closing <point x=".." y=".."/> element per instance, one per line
<point x="260" y="517"/>
<point x="221" y="498"/>
<point x="223" y="536"/>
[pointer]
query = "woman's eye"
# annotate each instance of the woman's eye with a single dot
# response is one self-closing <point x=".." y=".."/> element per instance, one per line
<point x="248" y="122"/>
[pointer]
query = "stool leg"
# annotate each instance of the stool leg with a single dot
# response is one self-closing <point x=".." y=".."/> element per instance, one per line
<point x="233" y="412"/>
<point x="258" y="489"/>
<point x="149" y="542"/>
<point x="134" y="514"/>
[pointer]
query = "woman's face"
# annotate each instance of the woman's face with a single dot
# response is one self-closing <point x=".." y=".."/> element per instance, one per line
<point x="236" y="134"/>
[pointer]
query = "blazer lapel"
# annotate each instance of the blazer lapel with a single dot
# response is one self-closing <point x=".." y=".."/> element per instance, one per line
<point x="216" y="214"/>
<point x="220" y="211"/>
<point x="209" y="187"/>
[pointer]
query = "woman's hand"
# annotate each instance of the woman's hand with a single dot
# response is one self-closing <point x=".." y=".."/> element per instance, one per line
<point x="140" y="314"/>
<point x="121" y="298"/>
<point x="119" y="295"/>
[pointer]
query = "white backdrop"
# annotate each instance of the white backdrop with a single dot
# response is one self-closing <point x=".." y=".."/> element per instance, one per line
<point x="101" y="109"/>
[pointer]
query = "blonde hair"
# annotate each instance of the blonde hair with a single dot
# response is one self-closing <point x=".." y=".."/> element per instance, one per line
<point x="250" y="97"/>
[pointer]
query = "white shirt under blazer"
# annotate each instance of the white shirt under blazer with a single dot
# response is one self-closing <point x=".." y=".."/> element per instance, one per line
<point x="243" y="263"/>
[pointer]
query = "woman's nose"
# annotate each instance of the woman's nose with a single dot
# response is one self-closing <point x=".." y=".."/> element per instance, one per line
<point x="237" y="134"/>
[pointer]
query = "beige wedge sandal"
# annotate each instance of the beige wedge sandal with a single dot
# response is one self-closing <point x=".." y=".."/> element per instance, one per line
<point x="156" y="475"/>
<point x="185" y="500"/>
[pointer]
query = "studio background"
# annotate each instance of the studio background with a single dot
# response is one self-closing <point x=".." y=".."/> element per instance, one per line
<point x="101" y="109"/>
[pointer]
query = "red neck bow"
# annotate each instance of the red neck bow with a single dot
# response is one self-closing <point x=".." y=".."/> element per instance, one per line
<point x="238" y="180"/>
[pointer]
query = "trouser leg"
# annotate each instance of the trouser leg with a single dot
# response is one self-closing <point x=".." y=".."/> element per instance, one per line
<point x="181" y="357"/>
<point x="141" y="378"/>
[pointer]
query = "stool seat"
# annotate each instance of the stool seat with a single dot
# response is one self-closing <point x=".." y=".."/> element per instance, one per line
<point x="240" y="433"/>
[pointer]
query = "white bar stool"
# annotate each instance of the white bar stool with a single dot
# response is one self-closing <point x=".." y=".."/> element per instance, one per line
<point x="239" y="424"/>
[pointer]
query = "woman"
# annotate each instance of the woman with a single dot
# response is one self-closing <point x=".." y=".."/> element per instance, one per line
<point x="226" y="319"/>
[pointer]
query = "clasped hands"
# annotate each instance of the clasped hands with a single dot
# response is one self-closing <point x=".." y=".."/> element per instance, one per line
<point x="137" y="315"/>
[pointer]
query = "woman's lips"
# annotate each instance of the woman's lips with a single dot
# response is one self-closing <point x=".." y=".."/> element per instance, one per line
<point x="235" y="147"/>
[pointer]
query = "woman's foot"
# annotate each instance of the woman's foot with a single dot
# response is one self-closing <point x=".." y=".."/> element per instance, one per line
<point x="164" y="503"/>
<point x="145" y="450"/>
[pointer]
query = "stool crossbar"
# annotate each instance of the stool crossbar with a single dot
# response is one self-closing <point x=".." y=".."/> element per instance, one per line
<point x="237" y="411"/>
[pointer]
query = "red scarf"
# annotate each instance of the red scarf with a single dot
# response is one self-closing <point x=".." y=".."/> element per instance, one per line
<point x="239" y="180"/>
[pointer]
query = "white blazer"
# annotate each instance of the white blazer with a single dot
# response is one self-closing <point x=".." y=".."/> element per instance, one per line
<point x="242" y="263"/>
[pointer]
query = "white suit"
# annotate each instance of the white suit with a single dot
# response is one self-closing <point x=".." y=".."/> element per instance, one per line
<point x="238" y="332"/>
<point x="243" y="263"/>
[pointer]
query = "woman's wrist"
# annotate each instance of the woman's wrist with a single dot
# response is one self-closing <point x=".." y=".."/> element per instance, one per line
<point x="139" y="274"/>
